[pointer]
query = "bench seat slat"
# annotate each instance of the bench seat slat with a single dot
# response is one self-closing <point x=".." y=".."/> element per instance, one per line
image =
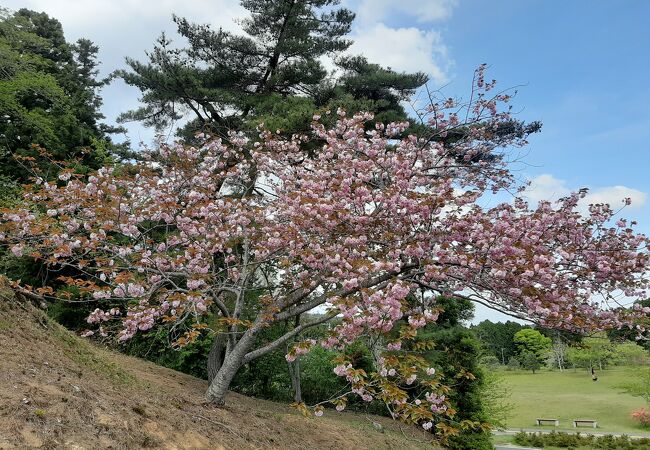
<point x="594" y="423"/>
<point x="539" y="421"/>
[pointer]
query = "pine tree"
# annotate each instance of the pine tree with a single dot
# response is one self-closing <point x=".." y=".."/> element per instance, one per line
<point x="48" y="95"/>
<point x="371" y="87"/>
<point x="273" y="74"/>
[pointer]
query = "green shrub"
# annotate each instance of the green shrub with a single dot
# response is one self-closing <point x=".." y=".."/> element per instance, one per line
<point x="154" y="346"/>
<point x="567" y="440"/>
<point x="70" y="315"/>
<point x="471" y="440"/>
<point x="490" y="361"/>
<point x="513" y="364"/>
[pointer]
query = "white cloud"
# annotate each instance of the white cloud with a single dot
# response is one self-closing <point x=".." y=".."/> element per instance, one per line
<point x="403" y="49"/>
<point x="614" y="195"/>
<point x="547" y="187"/>
<point x="411" y="48"/>
<point x="114" y="14"/>
<point x="421" y="10"/>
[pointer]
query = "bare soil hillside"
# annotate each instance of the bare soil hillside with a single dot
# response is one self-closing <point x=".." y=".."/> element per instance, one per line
<point x="60" y="391"/>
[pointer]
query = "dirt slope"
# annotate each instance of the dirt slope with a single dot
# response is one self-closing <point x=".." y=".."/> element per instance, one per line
<point x="59" y="391"/>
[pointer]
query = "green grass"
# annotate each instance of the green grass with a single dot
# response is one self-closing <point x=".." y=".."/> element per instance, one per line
<point x="573" y="395"/>
<point x="5" y="325"/>
<point x="503" y="439"/>
<point x="84" y="353"/>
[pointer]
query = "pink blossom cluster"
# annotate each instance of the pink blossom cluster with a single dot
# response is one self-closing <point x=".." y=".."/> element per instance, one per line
<point x="300" y="349"/>
<point x="437" y="402"/>
<point x="98" y="316"/>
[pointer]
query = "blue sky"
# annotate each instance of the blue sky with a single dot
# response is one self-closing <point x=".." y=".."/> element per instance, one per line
<point x="585" y="66"/>
<point x="582" y="66"/>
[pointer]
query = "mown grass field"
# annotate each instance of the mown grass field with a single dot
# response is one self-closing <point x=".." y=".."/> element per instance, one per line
<point x="573" y="395"/>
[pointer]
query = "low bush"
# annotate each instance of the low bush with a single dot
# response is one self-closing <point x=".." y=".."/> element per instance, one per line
<point x="469" y="439"/>
<point x="642" y="416"/>
<point x="572" y="441"/>
<point x="513" y="364"/>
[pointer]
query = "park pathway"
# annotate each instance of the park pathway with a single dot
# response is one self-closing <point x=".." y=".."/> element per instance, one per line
<point x="513" y="447"/>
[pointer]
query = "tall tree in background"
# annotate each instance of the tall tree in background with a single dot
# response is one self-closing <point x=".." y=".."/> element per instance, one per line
<point x="272" y="74"/>
<point x="48" y="95"/>
<point x="533" y="348"/>
<point x="498" y="338"/>
<point x="455" y="351"/>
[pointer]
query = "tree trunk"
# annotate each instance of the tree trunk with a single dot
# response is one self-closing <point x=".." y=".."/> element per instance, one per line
<point x="231" y="363"/>
<point x="216" y="355"/>
<point x="294" y="370"/>
<point x="294" y="373"/>
<point x="219" y="386"/>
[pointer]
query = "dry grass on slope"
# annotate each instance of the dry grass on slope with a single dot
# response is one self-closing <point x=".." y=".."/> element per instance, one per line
<point x="60" y="391"/>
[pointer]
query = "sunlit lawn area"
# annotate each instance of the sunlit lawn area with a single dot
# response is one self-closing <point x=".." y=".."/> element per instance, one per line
<point x="573" y="395"/>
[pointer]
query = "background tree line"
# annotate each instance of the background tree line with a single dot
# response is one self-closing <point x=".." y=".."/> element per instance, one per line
<point x="514" y="345"/>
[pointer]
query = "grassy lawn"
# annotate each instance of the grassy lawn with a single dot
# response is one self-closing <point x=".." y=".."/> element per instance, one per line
<point x="503" y="439"/>
<point x="573" y="395"/>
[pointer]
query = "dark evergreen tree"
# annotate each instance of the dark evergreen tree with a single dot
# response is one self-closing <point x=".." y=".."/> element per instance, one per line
<point x="48" y="95"/>
<point x="223" y="78"/>
<point x="456" y="355"/>
<point x="272" y="74"/>
<point x="364" y="86"/>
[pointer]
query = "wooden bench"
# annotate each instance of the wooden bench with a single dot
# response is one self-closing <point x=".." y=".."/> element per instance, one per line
<point x="556" y="422"/>
<point x="593" y="423"/>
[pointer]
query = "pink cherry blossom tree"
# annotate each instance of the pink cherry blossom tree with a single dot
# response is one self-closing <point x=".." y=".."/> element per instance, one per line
<point x="368" y="229"/>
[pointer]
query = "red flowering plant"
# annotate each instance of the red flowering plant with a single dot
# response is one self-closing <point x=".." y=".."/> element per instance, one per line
<point x="370" y="229"/>
<point x="642" y="416"/>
